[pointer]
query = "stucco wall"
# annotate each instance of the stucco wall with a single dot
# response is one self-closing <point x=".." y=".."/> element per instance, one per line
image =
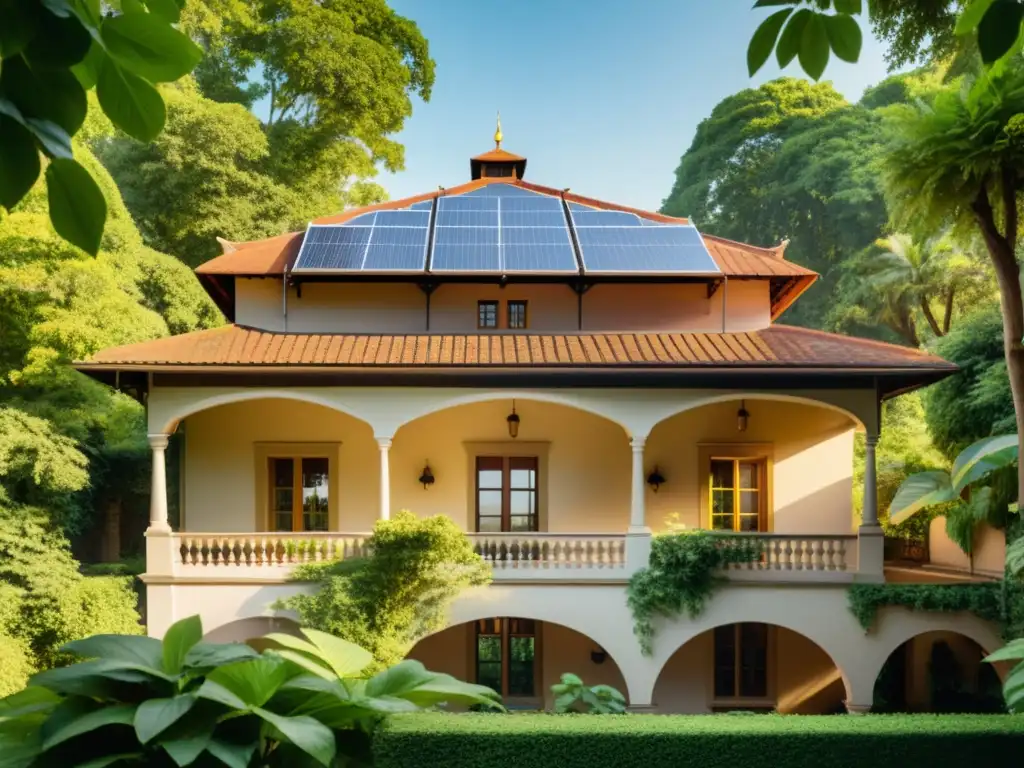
<point x="401" y="307"/>
<point x="989" y="556"/>
<point x="810" y="450"/>
<point x="585" y="462"/>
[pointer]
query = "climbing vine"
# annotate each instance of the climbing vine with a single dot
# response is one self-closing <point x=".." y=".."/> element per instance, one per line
<point x="682" y="574"/>
<point x="989" y="600"/>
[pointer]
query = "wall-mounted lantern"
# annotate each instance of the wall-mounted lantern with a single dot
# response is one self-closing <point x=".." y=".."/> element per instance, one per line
<point x="742" y="417"/>
<point x="513" y="422"/>
<point x="655" y="479"/>
<point x="598" y="655"/>
<point x="427" y="477"/>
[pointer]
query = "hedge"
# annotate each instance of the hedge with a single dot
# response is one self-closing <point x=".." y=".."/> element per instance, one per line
<point x="709" y="741"/>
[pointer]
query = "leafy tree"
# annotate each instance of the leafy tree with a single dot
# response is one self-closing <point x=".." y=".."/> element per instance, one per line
<point x="810" y="30"/>
<point x="396" y="596"/>
<point x="900" y="281"/>
<point x="958" y="159"/>
<point x="51" y="53"/>
<point x="787" y="160"/>
<point x="977" y="402"/>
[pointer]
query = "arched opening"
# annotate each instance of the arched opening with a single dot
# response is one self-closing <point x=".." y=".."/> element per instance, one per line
<point x="243" y="630"/>
<point x="561" y="469"/>
<point x="520" y="658"/>
<point x="750" y="666"/>
<point x="277" y="465"/>
<point x="754" y="464"/>
<point x="938" y="671"/>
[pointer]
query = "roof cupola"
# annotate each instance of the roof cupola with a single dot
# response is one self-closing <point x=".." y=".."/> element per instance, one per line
<point x="497" y="163"/>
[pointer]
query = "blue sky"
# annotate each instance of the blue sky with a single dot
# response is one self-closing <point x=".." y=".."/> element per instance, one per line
<point x="602" y="96"/>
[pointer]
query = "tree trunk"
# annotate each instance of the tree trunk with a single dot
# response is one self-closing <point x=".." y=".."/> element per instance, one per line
<point x="947" y="318"/>
<point x="110" y="545"/>
<point x="1002" y="251"/>
<point x="926" y="308"/>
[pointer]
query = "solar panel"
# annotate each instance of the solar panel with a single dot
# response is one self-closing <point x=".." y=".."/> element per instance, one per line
<point x="423" y="205"/>
<point x="380" y="241"/>
<point x="624" y="250"/>
<point x="447" y="218"/>
<point x="537" y="249"/>
<point x="605" y="219"/>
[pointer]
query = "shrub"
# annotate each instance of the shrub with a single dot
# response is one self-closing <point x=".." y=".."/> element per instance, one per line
<point x="571" y="695"/>
<point x="681" y="576"/>
<point x="397" y="595"/>
<point x="638" y="741"/>
<point x="15" y="664"/>
<point x="182" y="702"/>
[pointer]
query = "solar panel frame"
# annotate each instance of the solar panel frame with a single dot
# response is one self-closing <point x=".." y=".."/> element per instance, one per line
<point x="394" y="249"/>
<point x="667" y="250"/>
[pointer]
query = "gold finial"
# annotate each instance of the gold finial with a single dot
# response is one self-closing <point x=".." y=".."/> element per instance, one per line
<point x="497" y="134"/>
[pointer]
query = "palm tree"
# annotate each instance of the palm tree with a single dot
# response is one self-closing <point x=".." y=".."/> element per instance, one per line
<point x="919" y="273"/>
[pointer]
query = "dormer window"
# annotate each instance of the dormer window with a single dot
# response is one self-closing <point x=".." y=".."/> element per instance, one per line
<point x="487" y="315"/>
<point x="497" y="169"/>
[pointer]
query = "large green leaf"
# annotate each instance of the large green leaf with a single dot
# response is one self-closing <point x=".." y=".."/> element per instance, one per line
<point x="981" y="458"/>
<point x="399" y="679"/>
<point x="168" y="10"/>
<point x="971" y="16"/>
<point x="20" y="22"/>
<point x="134" y="649"/>
<point x="328" y="701"/>
<point x="78" y="209"/>
<point x="254" y="682"/>
<point x="19" y="161"/>
<point x="447" y="689"/>
<point x="918" y="491"/>
<point x="154" y="716"/>
<point x="789" y="41"/>
<point x="814" y="46"/>
<point x="345" y="658"/>
<point x="763" y="41"/>
<point x="844" y="36"/>
<point x="132" y="104"/>
<point x="58" y="42"/>
<point x="231" y="754"/>
<point x="209" y="655"/>
<point x="313" y="738"/>
<point x="76" y="717"/>
<point x="54" y="140"/>
<point x="1015" y="557"/>
<point x="1012" y="651"/>
<point x="27" y="701"/>
<point x="100" y="678"/>
<point x="848" y="6"/>
<point x="998" y="29"/>
<point x="150" y="47"/>
<point x="178" y="641"/>
<point x="183" y="751"/>
<point x="1013" y="689"/>
<point x="53" y="94"/>
<point x="216" y="692"/>
<point x="88" y="69"/>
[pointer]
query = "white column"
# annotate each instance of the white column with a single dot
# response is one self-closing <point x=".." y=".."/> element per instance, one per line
<point x="870" y="539"/>
<point x="385" y="478"/>
<point x="158" y="485"/>
<point x="870" y="514"/>
<point x="637" y="518"/>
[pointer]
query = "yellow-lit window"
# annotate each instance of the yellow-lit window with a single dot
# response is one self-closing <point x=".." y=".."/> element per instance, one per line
<point x="737" y="488"/>
<point x="298" y="494"/>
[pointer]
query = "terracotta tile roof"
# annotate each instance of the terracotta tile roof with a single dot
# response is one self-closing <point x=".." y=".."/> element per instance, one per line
<point x="775" y="347"/>
<point x="498" y="156"/>
<point x="274" y="256"/>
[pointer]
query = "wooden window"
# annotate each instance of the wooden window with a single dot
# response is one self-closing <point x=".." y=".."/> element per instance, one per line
<point x="737" y="490"/>
<point x="506" y="656"/>
<point x="506" y="493"/>
<point x="298" y="493"/>
<point x="517" y="314"/>
<point x="741" y="661"/>
<point x="487" y="314"/>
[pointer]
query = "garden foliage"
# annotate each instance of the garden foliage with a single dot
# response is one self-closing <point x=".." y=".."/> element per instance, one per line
<point x="573" y="695"/>
<point x="137" y="701"/>
<point x="397" y="595"/>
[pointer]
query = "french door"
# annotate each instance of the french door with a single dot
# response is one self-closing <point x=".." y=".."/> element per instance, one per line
<point x="506" y="494"/>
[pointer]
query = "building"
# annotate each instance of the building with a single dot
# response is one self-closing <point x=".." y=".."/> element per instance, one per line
<point x="563" y="377"/>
